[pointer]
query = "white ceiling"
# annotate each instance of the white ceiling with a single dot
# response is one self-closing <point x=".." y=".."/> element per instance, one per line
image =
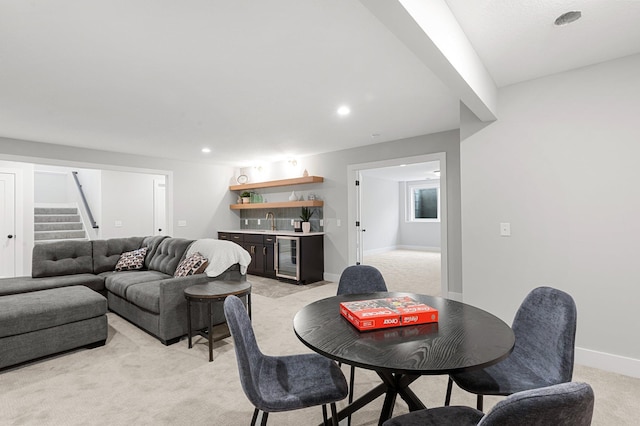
<point x="261" y="80"/>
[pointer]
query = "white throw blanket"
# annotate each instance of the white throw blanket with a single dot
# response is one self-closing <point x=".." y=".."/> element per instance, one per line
<point x="221" y="255"/>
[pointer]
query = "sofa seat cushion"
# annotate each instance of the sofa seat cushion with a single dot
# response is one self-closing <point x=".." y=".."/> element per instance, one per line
<point x="24" y="313"/>
<point x="145" y="295"/>
<point x="26" y="284"/>
<point x="119" y="282"/>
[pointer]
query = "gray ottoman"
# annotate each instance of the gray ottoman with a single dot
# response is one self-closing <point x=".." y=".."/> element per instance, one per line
<point x="41" y="323"/>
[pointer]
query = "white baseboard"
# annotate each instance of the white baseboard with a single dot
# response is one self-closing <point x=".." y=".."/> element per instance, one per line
<point x="608" y="362"/>
<point x="419" y="248"/>
<point x="378" y="250"/>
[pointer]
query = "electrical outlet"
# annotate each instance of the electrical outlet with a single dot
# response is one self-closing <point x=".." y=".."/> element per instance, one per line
<point x="182" y="223"/>
<point x="246" y="221"/>
<point x="258" y="221"/>
<point x="118" y="224"/>
<point x="505" y="229"/>
<point x="321" y="222"/>
<point x="292" y="222"/>
<point x="338" y="222"/>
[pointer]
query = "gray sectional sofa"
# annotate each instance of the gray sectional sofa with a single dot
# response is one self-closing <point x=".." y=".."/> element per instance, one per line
<point x="151" y="298"/>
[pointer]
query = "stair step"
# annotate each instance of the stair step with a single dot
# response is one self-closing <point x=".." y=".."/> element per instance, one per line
<point x="56" y="241"/>
<point x="55" y="210"/>
<point x="56" y="218"/>
<point x="58" y="226"/>
<point x="60" y="235"/>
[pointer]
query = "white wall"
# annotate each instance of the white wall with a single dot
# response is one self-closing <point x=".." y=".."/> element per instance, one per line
<point x="561" y="165"/>
<point x="417" y="235"/>
<point x="50" y="187"/>
<point x="197" y="192"/>
<point x="380" y="215"/>
<point x="334" y="167"/>
<point x="127" y="204"/>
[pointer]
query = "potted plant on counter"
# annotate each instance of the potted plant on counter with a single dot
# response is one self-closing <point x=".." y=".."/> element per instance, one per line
<point x="305" y="216"/>
<point x="246" y="197"/>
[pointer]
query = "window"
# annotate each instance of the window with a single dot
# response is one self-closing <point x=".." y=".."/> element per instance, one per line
<point x="423" y="202"/>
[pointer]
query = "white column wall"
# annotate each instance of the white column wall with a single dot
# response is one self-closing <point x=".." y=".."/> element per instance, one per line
<point x="561" y="166"/>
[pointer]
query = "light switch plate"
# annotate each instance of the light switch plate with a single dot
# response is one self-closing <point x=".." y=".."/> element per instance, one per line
<point x="118" y="224"/>
<point x="182" y="223"/>
<point x="505" y="229"/>
<point x="338" y="222"/>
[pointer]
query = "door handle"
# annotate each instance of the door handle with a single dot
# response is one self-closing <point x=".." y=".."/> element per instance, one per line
<point x="9" y="236"/>
<point x="264" y="251"/>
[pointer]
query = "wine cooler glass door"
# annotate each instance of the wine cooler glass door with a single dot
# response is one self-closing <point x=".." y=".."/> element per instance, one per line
<point x="287" y="265"/>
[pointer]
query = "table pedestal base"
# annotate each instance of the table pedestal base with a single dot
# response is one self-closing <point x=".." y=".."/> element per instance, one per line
<point x="392" y="385"/>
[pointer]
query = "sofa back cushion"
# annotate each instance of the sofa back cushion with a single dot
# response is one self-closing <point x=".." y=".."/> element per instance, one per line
<point x="62" y="258"/>
<point x="106" y="253"/>
<point x="152" y="244"/>
<point x="169" y="253"/>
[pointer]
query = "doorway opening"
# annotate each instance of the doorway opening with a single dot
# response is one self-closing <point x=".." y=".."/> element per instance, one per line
<point x="397" y="221"/>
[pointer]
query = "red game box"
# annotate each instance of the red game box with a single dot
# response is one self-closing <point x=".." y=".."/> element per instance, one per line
<point x="390" y="312"/>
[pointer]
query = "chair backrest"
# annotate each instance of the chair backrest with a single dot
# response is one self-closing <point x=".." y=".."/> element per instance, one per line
<point x="248" y="353"/>
<point x="545" y="331"/>
<point x="565" y="404"/>
<point x="359" y="279"/>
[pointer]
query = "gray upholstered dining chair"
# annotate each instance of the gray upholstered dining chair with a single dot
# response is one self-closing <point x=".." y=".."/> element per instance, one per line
<point x="545" y="332"/>
<point x="281" y="383"/>
<point x="565" y="404"/>
<point x="359" y="279"/>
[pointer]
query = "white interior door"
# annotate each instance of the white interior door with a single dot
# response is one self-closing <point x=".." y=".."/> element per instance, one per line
<point x="7" y="226"/>
<point x="159" y="207"/>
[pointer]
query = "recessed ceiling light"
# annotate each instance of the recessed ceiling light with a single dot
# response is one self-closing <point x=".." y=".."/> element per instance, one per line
<point x="206" y="150"/>
<point x="403" y="165"/>
<point x="567" y="18"/>
<point x="344" y="110"/>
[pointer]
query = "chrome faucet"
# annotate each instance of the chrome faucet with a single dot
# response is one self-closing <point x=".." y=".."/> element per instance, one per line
<point x="273" y="220"/>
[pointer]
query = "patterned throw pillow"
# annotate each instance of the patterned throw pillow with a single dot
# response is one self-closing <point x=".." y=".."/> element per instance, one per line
<point x="131" y="260"/>
<point x="194" y="264"/>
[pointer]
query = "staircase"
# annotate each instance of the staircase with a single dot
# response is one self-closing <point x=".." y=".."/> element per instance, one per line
<point x="57" y="224"/>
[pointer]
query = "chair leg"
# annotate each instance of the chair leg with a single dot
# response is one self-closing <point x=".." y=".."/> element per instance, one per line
<point x="352" y="377"/>
<point x="324" y="415"/>
<point x="447" y="398"/>
<point x="255" y="417"/>
<point x="264" y="418"/>
<point x="479" y="403"/>
<point x="334" y="415"/>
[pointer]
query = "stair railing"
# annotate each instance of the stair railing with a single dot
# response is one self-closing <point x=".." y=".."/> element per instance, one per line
<point x="94" y="225"/>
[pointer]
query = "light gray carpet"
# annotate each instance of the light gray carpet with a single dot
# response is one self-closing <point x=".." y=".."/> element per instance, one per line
<point x="135" y="380"/>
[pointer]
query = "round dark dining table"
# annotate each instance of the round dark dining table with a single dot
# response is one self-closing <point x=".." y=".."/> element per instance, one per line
<point x="464" y="338"/>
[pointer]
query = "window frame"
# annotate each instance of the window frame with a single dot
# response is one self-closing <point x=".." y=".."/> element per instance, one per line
<point x="410" y="201"/>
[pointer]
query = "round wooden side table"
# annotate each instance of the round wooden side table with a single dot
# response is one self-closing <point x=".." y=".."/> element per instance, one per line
<point x="214" y="291"/>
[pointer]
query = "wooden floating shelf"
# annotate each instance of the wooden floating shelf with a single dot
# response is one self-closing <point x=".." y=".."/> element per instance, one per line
<point x="277" y="205"/>
<point x="274" y="183"/>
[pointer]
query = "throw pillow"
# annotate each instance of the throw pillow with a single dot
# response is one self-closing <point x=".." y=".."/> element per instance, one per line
<point x="131" y="260"/>
<point x="194" y="264"/>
